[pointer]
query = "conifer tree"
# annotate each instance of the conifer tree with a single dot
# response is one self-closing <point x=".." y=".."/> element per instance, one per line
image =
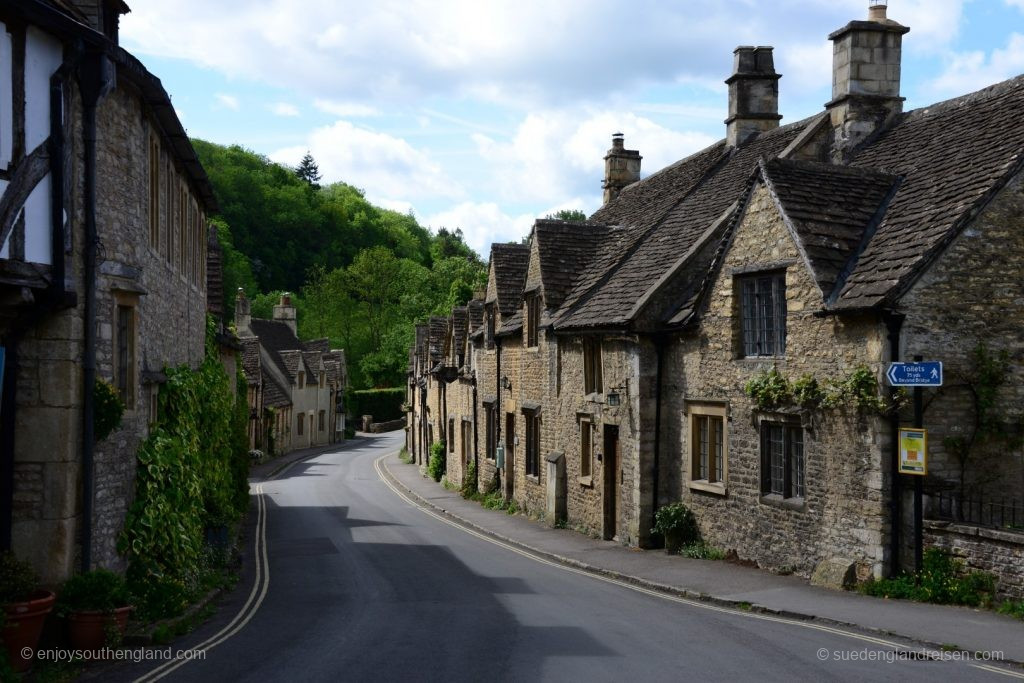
<point x="308" y="170"/>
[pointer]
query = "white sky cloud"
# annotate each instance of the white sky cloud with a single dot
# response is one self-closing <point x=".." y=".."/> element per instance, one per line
<point x="387" y="167"/>
<point x="227" y="101"/>
<point x="1016" y="3"/>
<point x="284" y="109"/>
<point x="482" y="224"/>
<point x="346" y="110"/>
<point x="969" y="71"/>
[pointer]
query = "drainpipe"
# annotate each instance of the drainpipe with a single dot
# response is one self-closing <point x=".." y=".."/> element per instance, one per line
<point x="894" y="322"/>
<point x="659" y="347"/>
<point x="476" y="436"/>
<point x="498" y="412"/>
<point x="95" y="81"/>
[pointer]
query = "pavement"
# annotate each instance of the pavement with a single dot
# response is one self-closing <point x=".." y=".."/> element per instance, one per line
<point x="724" y="583"/>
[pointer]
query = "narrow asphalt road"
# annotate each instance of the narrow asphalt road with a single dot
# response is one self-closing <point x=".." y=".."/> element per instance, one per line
<point x="354" y="583"/>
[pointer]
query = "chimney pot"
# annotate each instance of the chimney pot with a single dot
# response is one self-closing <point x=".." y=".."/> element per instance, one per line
<point x="621" y="167"/>
<point x="877" y="11"/>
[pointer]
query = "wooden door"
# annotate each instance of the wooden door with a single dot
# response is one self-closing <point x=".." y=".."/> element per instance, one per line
<point x="612" y="482"/>
<point x="510" y="455"/>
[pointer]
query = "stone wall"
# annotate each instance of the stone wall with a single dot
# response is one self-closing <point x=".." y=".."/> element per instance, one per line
<point x="989" y="550"/>
<point x="842" y="512"/>
<point x="972" y="295"/>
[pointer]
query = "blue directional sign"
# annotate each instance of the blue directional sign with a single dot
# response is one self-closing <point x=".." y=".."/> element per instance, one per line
<point x="922" y="374"/>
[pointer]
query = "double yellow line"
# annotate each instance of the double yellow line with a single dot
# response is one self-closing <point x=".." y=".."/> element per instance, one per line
<point x="256" y="595"/>
<point x="667" y="596"/>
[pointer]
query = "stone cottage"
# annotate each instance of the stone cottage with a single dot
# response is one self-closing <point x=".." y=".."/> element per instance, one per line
<point x="296" y="387"/>
<point x="817" y="252"/>
<point x="103" y="257"/>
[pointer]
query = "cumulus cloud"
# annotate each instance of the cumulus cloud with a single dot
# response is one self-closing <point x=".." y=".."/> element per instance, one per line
<point x="346" y="110"/>
<point x="968" y="71"/>
<point x="560" y="153"/>
<point x="224" y="101"/>
<point x="482" y="224"/>
<point x="284" y="109"/>
<point x="388" y="168"/>
<point x="1016" y="3"/>
<point x="523" y="52"/>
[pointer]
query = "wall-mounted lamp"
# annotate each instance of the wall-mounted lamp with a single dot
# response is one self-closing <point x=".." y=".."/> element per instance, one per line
<point x="506" y="383"/>
<point x="613" y="399"/>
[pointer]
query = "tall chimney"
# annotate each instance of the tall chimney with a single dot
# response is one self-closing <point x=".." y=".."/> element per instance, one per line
<point x="865" y="78"/>
<point x="621" y="168"/>
<point x="243" y="318"/>
<point x="284" y="312"/>
<point x="753" y="95"/>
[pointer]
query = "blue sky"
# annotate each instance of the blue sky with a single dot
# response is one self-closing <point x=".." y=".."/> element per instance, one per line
<point x="484" y="114"/>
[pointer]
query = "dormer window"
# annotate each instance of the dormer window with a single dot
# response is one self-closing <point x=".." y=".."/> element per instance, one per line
<point x="763" y="314"/>
<point x="301" y="380"/>
<point x="531" y="318"/>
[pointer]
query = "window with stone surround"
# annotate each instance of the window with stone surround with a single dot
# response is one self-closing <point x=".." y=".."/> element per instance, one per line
<point x="125" y="350"/>
<point x="154" y="192"/>
<point x="301" y="380"/>
<point x="491" y="436"/>
<point x="532" y="454"/>
<point x="592" y="379"/>
<point x="709" y="446"/>
<point x="782" y="459"/>
<point x="300" y="426"/>
<point x="489" y="335"/>
<point x="762" y="314"/>
<point x="322" y="420"/>
<point x="451" y="435"/>
<point x="586" y="449"/>
<point x="531" y="318"/>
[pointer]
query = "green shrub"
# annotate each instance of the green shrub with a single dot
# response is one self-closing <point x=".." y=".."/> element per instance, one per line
<point x="513" y="507"/>
<point x="941" y="580"/>
<point x="17" y="579"/>
<point x="108" y="408"/>
<point x="769" y="389"/>
<point x="384" y="404"/>
<point x="1012" y="608"/>
<point x="436" y="464"/>
<point x="701" y="551"/>
<point x="676" y="523"/>
<point x="494" y="501"/>
<point x="469" y="481"/>
<point x="99" y="590"/>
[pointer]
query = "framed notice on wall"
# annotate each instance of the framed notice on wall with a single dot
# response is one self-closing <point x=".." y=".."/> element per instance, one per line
<point x="913" y="451"/>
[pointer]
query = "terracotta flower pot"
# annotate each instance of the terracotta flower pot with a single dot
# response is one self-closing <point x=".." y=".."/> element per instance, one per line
<point x="23" y="626"/>
<point x="88" y="630"/>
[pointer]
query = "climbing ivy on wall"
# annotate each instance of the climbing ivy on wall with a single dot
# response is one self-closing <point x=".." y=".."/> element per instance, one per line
<point x="858" y="388"/>
<point x="191" y="475"/>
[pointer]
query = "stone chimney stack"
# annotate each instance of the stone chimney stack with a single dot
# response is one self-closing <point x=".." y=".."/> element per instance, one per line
<point x="103" y="15"/>
<point x="753" y="95"/>
<point x="621" y="168"/>
<point x="284" y="312"/>
<point x="865" y="78"/>
<point x="243" y="318"/>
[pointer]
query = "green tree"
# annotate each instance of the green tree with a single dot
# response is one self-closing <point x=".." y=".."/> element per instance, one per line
<point x="573" y="215"/>
<point x="308" y="170"/>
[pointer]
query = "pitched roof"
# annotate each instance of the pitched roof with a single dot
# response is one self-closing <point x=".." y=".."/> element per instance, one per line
<point x="510" y="262"/>
<point x="251" y="359"/>
<point x="665" y="221"/>
<point x="565" y="250"/>
<point x="830" y="208"/>
<point x="318" y="345"/>
<point x="438" y="327"/>
<point x="276" y="337"/>
<point x="460" y="322"/>
<point x="953" y="157"/>
<point x="291" y="362"/>
<point x="274" y="395"/>
<point x="475" y="310"/>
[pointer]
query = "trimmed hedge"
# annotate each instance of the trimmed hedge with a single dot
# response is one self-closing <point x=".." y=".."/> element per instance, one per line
<point x="384" y="404"/>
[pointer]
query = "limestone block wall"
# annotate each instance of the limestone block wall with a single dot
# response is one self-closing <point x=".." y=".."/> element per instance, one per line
<point x="460" y="411"/>
<point x="842" y="513"/>
<point x="485" y="370"/>
<point x="972" y="295"/>
<point x="989" y="550"/>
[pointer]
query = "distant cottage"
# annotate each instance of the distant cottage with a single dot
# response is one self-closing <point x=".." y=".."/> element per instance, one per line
<point x="616" y="361"/>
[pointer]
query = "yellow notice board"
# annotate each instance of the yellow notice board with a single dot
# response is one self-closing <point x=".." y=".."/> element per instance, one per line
<point x="913" y="451"/>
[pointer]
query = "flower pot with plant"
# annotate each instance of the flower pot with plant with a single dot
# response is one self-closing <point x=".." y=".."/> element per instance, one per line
<point x="25" y="607"/>
<point x="96" y="605"/>
<point x="676" y="523"/>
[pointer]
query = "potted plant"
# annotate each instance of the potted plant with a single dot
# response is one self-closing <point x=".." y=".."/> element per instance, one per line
<point x="25" y="607"/>
<point x="676" y="523"/>
<point x="96" y="605"/>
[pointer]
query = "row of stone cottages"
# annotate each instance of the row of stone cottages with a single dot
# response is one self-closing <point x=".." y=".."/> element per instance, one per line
<point x="604" y="372"/>
<point x="107" y="272"/>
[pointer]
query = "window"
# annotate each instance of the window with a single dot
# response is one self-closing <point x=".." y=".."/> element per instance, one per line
<point x="489" y="313"/>
<point x="154" y="405"/>
<point x="586" y="448"/>
<point x="154" y="192"/>
<point x="532" y="443"/>
<point x="451" y="435"/>
<point x="323" y="379"/>
<point x="184" y="238"/>
<point x="322" y="420"/>
<point x="301" y="425"/>
<point x="592" y="383"/>
<point x="782" y="459"/>
<point x="124" y="364"/>
<point x="532" y="318"/>
<point x="709" y="446"/>
<point x="763" y="304"/>
<point x="301" y="380"/>
<point x="490" y="415"/>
